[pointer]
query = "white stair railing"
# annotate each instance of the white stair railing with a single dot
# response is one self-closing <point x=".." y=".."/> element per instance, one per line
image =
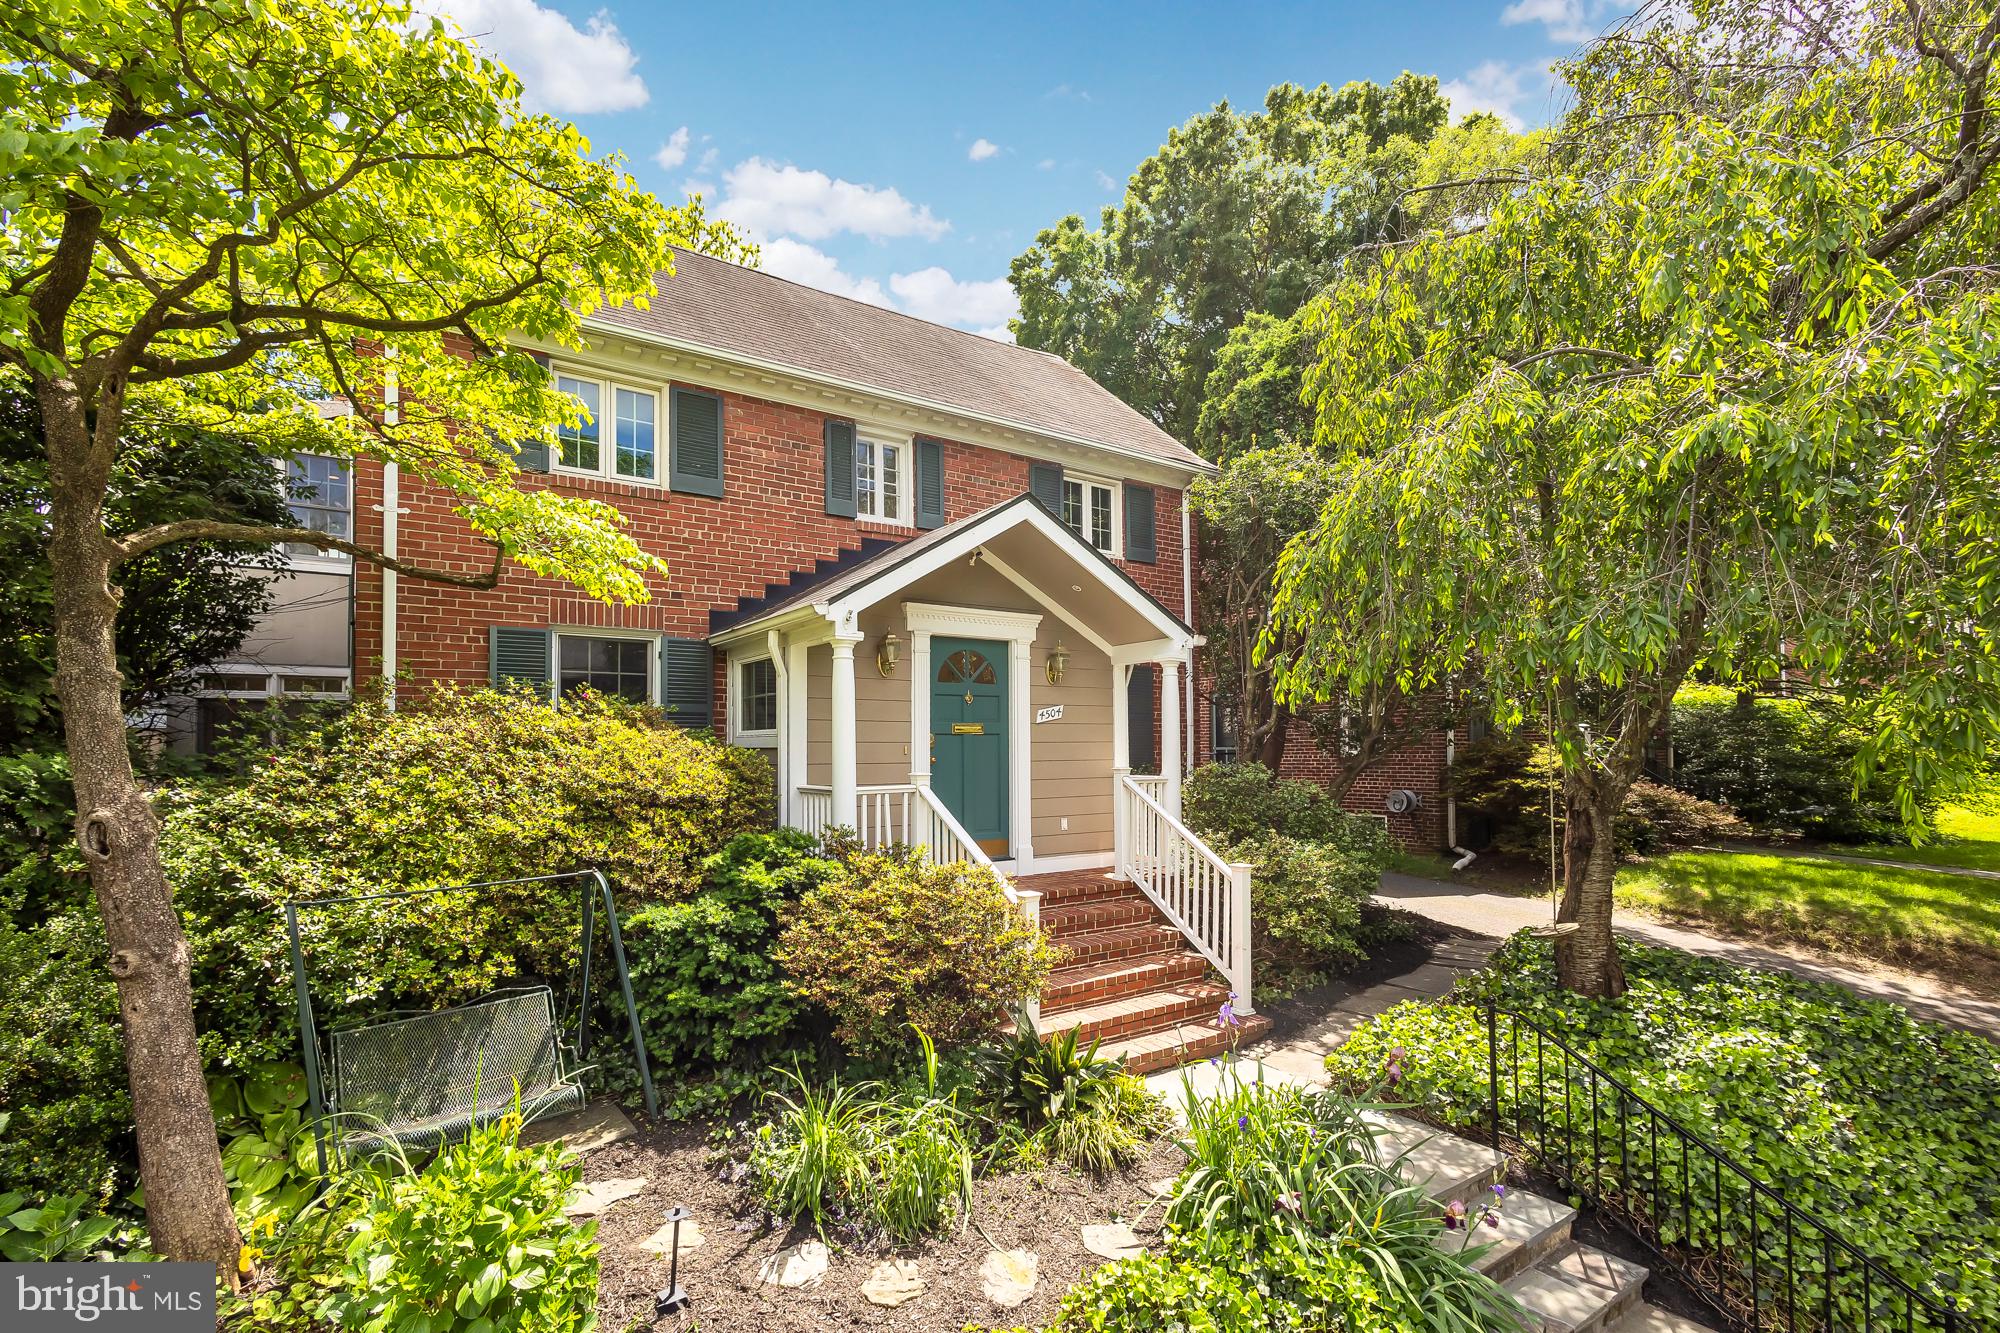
<point x="813" y="811"/>
<point x="1205" y="897"/>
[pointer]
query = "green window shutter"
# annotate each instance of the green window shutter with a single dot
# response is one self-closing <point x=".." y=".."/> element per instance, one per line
<point x="517" y="656"/>
<point x="1045" y="482"/>
<point x="930" y="484"/>
<point x="695" y="465"/>
<point x="532" y="455"/>
<point x="1140" y="544"/>
<point x="1139" y="718"/>
<point x="840" y="468"/>
<point x="687" y="681"/>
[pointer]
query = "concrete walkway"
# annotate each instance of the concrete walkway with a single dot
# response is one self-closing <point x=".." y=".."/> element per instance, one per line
<point x="1497" y="915"/>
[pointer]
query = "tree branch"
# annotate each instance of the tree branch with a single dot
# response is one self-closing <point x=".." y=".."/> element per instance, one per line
<point x="218" y="530"/>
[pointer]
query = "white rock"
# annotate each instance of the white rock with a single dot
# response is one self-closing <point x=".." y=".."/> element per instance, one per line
<point x="1112" y="1240"/>
<point x="893" y="1282"/>
<point x="1008" y="1277"/>
<point x="802" y="1265"/>
<point x="597" y="1197"/>
<point x="661" y="1242"/>
<point x="1162" y="1188"/>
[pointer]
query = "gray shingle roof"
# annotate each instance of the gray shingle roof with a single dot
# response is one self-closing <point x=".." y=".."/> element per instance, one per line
<point x="727" y="308"/>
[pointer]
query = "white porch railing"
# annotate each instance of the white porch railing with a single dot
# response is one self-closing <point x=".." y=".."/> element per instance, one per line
<point x="1153" y="784"/>
<point x="1204" y="896"/>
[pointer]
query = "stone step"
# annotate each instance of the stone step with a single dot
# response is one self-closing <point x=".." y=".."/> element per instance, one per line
<point x="1060" y="923"/>
<point x="1645" y="1318"/>
<point x="1531" y="1229"/>
<point x="1131" y="1015"/>
<point x="1123" y="943"/>
<point x="1149" y="1052"/>
<point x="1446" y="1166"/>
<point x="1090" y="983"/>
<point x="1579" y="1291"/>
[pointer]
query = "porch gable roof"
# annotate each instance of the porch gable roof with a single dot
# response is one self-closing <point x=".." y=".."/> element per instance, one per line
<point x="882" y="573"/>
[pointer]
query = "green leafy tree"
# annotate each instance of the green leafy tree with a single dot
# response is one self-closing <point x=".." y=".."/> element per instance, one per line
<point x="1237" y="213"/>
<point x="1712" y="388"/>
<point x="218" y="213"/>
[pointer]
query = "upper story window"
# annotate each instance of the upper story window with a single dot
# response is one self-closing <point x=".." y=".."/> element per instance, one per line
<point x="757" y="701"/>
<point x="613" y="666"/>
<point x="321" y="499"/>
<point x="633" y="420"/>
<point x="880" y="483"/>
<point x="1090" y="510"/>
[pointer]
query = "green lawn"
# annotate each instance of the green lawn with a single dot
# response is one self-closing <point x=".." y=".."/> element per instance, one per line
<point x="1912" y="916"/>
<point x="1968" y="838"/>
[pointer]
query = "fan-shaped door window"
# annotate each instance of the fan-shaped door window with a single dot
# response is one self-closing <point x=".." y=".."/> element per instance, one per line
<point x="968" y="666"/>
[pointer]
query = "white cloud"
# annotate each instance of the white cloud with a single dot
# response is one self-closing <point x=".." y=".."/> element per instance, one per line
<point x="1046" y="164"/>
<point x="674" y="151"/>
<point x="1063" y="92"/>
<point x="933" y="294"/>
<point x="708" y="157"/>
<point x="815" y="268"/>
<point x="1572" y="21"/>
<point x="569" y="70"/>
<point x="982" y="149"/>
<point x="769" y="199"/>
<point x="1493" y="86"/>
<point x="1104" y="182"/>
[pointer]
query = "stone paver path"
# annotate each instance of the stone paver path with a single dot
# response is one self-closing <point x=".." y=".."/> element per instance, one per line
<point x="1498" y="915"/>
<point x="1008" y="1277"/>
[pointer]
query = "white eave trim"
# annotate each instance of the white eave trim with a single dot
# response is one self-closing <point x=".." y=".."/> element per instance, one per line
<point x="1173" y="466"/>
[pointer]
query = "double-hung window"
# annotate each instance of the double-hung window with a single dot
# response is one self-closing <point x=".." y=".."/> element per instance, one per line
<point x="756" y="706"/>
<point x="1089" y="509"/>
<point x="611" y="666"/>
<point x="880" y="484"/>
<point x="320" y="499"/>
<point x="621" y="437"/>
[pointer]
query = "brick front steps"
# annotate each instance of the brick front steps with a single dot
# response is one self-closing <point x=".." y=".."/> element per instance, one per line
<point x="1129" y="980"/>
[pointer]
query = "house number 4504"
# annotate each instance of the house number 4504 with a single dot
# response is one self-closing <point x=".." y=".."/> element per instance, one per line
<point x="1049" y="714"/>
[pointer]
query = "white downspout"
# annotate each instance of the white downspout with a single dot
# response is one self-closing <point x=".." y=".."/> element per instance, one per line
<point x="390" y="507"/>
<point x="1466" y="858"/>
<point x="1193" y="751"/>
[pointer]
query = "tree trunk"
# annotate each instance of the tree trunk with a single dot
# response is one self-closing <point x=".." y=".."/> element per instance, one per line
<point x="1272" y="754"/>
<point x="1587" y="957"/>
<point x="188" y="1212"/>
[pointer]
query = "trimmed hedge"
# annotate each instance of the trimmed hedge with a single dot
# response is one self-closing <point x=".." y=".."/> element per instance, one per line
<point x="1879" y="1124"/>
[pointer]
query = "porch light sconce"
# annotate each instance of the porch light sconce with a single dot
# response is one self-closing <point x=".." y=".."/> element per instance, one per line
<point x="888" y="654"/>
<point x="1058" y="660"/>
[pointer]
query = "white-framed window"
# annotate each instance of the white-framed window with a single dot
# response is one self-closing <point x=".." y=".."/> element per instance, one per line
<point x="1090" y="510"/>
<point x="754" y="707"/>
<point x="319" y="491"/>
<point x="619" y="666"/>
<point x="621" y="439"/>
<point x="881" y="480"/>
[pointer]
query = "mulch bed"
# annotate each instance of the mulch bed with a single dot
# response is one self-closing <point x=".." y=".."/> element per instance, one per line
<point x="1040" y="1211"/>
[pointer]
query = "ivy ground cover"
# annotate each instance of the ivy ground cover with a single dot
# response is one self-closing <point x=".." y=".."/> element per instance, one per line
<point x="1884" y="1127"/>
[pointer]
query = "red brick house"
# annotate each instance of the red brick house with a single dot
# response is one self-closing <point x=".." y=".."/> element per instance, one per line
<point x="944" y="582"/>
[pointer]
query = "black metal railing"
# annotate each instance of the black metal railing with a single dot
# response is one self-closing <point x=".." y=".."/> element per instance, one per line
<point x="1760" y="1262"/>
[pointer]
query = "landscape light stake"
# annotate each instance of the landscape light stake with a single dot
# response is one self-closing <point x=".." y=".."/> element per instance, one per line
<point x="673" y="1298"/>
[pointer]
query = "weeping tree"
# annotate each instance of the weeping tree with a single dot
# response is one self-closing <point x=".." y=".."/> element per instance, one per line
<point x="219" y="213"/>
<point x="1712" y="387"/>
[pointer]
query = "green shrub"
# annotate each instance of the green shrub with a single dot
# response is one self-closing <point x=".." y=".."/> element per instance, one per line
<point x="455" y="786"/>
<point x="62" y="1064"/>
<point x="476" y="1241"/>
<point x="892" y="943"/>
<point x="1504" y="781"/>
<point x="1245" y="802"/>
<point x="1860" y="1114"/>
<point x="710" y="995"/>
<point x="1083" y="1108"/>
<point x="1786" y="765"/>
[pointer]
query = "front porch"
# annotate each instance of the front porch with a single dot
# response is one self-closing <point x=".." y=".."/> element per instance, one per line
<point x="983" y="692"/>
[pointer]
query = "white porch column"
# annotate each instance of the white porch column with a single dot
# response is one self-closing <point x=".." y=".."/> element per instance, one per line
<point x="792" y="736"/>
<point x="1170" y="734"/>
<point x="845" y="811"/>
<point x="1121" y="767"/>
<point x="1020" y="750"/>
<point x="920" y="707"/>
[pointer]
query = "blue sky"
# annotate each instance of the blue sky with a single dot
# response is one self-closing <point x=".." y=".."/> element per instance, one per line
<point x="903" y="154"/>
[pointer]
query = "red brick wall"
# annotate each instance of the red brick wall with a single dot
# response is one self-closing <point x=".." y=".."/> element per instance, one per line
<point x="770" y="522"/>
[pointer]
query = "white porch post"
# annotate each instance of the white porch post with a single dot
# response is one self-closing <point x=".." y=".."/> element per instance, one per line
<point x="920" y="708"/>
<point x="1170" y="734"/>
<point x="845" y="812"/>
<point x="1020" y="746"/>
<point x="1121" y="767"/>
<point x="781" y="668"/>
<point x="792" y="736"/>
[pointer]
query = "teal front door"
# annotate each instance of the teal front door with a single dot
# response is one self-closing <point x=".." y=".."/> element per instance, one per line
<point x="969" y="736"/>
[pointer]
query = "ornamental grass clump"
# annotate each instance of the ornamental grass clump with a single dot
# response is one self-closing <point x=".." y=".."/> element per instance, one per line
<point x="1073" y="1104"/>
